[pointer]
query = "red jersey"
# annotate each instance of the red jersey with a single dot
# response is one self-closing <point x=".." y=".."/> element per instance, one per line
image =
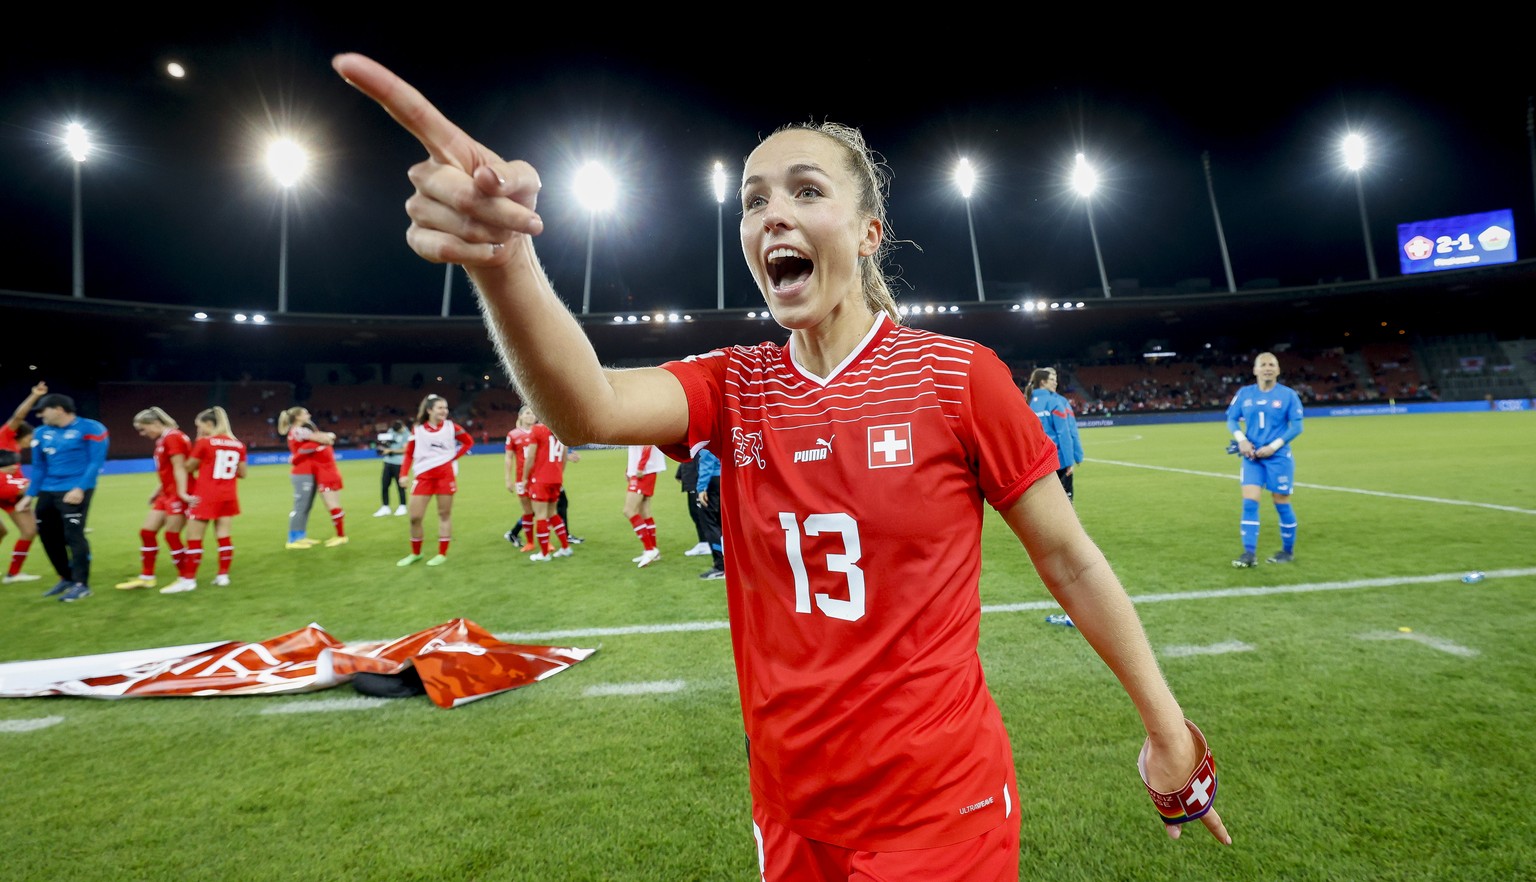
<point x="218" y="468"/>
<point x="433" y="452"/>
<point x="13" y="486"/>
<point x="854" y="625"/>
<point x="517" y="442"/>
<point x="301" y="450"/>
<point x="548" y="454"/>
<point x="170" y="443"/>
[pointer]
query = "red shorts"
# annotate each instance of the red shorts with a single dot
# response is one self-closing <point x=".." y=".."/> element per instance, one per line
<point x="544" y="492"/>
<point x="213" y="509"/>
<point x="169" y="503"/>
<point x="435" y="486"/>
<point x="328" y="481"/>
<point x="645" y="485"/>
<point x="784" y="855"/>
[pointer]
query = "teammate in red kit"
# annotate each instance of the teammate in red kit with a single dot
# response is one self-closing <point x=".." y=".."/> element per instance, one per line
<point x="168" y="504"/>
<point x="218" y="463"/>
<point x="328" y="483"/>
<point x="432" y="466"/>
<point x="17" y="505"/>
<point x="512" y="467"/>
<point x="305" y="445"/>
<point x="645" y="460"/>
<point x="875" y="750"/>
<point x="543" y="477"/>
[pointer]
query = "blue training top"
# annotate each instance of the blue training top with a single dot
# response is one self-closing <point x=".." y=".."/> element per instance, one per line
<point x="66" y="457"/>
<point x="1265" y="416"/>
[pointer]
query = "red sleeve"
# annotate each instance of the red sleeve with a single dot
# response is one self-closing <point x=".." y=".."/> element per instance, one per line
<point x="1002" y="433"/>
<point x="410" y="454"/>
<point x="466" y="441"/>
<point x="178" y="444"/>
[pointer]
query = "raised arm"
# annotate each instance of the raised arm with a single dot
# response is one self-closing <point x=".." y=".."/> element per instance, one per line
<point x="25" y="407"/>
<point x="477" y="210"/>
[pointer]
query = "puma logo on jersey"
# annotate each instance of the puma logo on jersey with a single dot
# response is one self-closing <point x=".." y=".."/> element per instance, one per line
<point x="822" y="450"/>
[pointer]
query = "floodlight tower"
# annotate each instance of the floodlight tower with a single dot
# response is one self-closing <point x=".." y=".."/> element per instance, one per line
<point x="965" y="178"/>
<point x="286" y="160"/>
<point x="595" y="188"/>
<point x="1085" y="180"/>
<point x="1354" y="160"/>
<point x="78" y="142"/>
<point x="719" y="236"/>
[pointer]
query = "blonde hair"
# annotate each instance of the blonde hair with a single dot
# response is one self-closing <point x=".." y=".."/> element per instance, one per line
<point x="289" y="417"/>
<point x="216" y="416"/>
<point x="426" y="405"/>
<point x="154" y="415"/>
<point x="873" y="178"/>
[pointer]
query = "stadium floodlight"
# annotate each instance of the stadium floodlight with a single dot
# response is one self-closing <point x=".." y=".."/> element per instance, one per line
<point x="1085" y="180"/>
<point x="965" y="178"/>
<point x="1221" y="236"/>
<point x="1354" y="160"/>
<point x="719" y="235"/>
<point x="596" y="190"/>
<point x="286" y="160"/>
<point x="78" y="142"/>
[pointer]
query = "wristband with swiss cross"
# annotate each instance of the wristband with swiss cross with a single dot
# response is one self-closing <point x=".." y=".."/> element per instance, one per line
<point x="1198" y="793"/>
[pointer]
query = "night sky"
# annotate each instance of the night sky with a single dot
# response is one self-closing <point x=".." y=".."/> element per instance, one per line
<point x="178" y="207"/>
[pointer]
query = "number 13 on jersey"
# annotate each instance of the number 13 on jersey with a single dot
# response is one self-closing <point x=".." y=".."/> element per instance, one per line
<point x="846" y="563"/>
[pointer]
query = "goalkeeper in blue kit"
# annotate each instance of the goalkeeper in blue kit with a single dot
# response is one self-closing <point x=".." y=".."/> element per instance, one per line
<point x="1264" y="418"/>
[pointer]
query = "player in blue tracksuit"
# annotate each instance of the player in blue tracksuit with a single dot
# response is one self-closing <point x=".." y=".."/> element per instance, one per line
<point x="1265" y="418"/>
<point x="67" y="454"/>
<point x="1059" y="422"/>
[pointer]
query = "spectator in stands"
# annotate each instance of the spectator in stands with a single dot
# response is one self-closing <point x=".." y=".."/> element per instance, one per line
<point x="391" y="446"/>
<point x="1264" y="418"/>
<point x="217" y="461"/>
<point x="875" y="749"/>
<point x="1059" y="422"/>
<point x="67" y="454"/>
<point x="645" y="461"/>
<point x="16" y="433"/>
<point x="431" y="465"/>
<point x="171" y="497"/>
<point x="304" y="444"/>
<point x="15" y="502"/>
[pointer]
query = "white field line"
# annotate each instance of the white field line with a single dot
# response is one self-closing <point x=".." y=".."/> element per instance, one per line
<point x="1383" y="494"/>
<point x="1213" y="649"/>
<point x="327" y="705"/>
<point x="1439" y="643"/>
<point x="29" y="725"/>
<point x="652" y="688"/>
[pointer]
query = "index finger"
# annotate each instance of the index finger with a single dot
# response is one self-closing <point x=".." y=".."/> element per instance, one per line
<point x="445" y="142"/>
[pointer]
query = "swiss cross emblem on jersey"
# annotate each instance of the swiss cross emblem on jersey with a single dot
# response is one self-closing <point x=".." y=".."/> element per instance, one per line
<point x="890" y="446"/>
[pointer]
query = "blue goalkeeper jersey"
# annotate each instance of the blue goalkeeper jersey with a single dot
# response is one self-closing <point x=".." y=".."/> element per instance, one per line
<point x="1265" y="416"/>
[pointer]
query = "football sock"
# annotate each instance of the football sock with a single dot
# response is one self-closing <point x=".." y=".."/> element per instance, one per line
<point x="638" y="523"/>
<point x="226" y="554"/>
<point x="1250" y="525"/>
<point x="173" y="542"/>
<point x="19" y="555"/>
<point x="528" y="527"/>
<point x="1287" y="525"/>
<point x="415" y="546"/>
<point x="650" y="533"/>
<point x="442" y="544"/>
<point x="191" y="559"/>
<point x="558" y="524"/>
<point x="541" y="534"/>
<point x="148" y="548"/>
<point x="338" y="518"/>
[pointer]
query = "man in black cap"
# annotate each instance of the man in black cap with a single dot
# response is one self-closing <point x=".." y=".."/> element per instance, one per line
<point x="67" y="454"/>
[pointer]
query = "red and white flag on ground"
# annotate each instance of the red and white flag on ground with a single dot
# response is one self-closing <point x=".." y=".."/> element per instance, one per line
<point x="458" y="662"/>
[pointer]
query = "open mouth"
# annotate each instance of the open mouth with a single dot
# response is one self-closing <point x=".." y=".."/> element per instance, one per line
<point x="787" y="268"/>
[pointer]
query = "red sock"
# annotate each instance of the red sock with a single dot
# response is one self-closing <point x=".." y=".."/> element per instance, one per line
<point x="173" y="542"/>
<point x="415" y="546"/>
<point x="541" y="533"/>
<point x="558" y="524"/>
<point x="638" y="523"/>
<point x="528" y="527"/>
<point x="338" y="517"/>
<point x="191" y="559"/>
<point x="19" y="555"/>
<point x="650" y="534"/>
<point x="148" y="548"/>
<point x="226" y="554"/>
<point x="442" y="544"/>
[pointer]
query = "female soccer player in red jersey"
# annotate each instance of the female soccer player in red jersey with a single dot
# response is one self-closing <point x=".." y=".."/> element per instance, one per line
<point x="544" y="479"/>
<point x="432" y="468"/>
<point x="168" y="504"/>
<point x="218" y="463"/>
<point x="512" y="467"/>
<point x="14" y="434"/>
<point x="875" y="749"/>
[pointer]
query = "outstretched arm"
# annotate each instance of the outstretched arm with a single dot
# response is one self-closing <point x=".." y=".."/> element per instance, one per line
<point x="25" y="407"/>
<point x="1077" y="574"/>
<point x="475" y="209"/>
